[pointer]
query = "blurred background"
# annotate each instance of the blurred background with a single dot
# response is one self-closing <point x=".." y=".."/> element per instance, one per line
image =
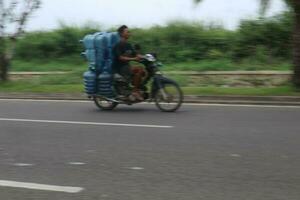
<point x="212" y="47"/>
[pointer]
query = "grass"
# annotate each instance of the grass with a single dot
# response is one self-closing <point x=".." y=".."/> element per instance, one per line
<point x="20" y="87"/>
<point x="72" y="83"/>
<point x="60" y="64"/>
<point x="76" y="63"/>
<point x="261" y="91"/>
<point x="65" y="83"/>
<point x="227" y="65"/>
<point x="32" y="87"/>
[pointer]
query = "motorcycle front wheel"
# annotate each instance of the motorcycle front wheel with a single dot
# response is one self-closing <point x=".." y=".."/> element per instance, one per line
<point x="169" y="98"/>
<point x="104" y="104"/>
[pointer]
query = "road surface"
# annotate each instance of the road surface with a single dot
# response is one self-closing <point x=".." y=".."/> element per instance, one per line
<point x="70" y="150"/>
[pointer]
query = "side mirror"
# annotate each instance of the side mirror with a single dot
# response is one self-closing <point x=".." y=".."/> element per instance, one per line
<point x="154" y="54"/>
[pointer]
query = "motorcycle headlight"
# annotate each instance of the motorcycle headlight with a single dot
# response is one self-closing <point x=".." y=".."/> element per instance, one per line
<point x="150" y="58"/>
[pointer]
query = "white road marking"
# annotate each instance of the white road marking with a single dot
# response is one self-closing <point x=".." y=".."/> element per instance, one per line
<point x="35" y="186"/>
<point x="85" y="123"/>
<point x="23" y="164"/>
<point x="239" y="105"/>
<point x="136" y="168"/>
<point x="145" y="103"/>
<point x="48" y="100"/>
<point x="77" y="163"/>
<point x="235" y="155"/>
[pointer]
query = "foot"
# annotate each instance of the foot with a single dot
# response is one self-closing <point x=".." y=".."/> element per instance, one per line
<point x="138" y="96"/>
<point x="132" y="98"/>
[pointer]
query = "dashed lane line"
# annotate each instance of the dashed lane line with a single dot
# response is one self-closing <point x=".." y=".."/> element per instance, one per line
<point x="36" y="186"/>
<point x="85" y="123"/>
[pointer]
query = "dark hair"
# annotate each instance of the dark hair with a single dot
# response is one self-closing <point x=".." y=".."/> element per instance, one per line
<point x="121" y="29"/>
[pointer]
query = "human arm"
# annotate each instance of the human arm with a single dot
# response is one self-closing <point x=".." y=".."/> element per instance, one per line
<point x="126" y="53"/>
<point x="123" y="58"/>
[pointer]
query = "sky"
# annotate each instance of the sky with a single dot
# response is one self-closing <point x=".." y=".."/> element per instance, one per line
<point x="145" y="13"/>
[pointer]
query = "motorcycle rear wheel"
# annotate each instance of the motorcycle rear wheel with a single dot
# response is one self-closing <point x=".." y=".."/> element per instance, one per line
<point x="169" y="98"/>
<point x="104" y="104"/>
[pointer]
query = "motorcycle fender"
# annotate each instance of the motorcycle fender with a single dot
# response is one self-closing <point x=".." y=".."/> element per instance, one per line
<point x="159" y="83"/>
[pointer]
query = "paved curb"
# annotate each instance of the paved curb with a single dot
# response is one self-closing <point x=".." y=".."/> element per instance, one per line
<point x="222" y="99"/>
<point x="245" y="100"/>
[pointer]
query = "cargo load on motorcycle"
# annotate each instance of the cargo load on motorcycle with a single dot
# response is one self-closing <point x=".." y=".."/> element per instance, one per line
<point x="108" y="89"/>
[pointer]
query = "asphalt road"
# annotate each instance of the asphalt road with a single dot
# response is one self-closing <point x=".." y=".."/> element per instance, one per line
<point x="138" y="153"/>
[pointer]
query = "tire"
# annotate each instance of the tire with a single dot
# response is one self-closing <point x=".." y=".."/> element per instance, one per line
<point x="174" y="98"/>
<point x="104" y="104"/>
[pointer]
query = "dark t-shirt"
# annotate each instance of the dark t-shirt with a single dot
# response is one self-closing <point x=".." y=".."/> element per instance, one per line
<point x="122" y="49"/>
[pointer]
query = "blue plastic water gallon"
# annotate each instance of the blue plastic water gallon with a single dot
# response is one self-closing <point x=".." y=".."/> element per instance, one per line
<point x="105" y="87"/>
<point x="90" y="82"/>
<point x="90" y="51"/>
<point x="113" y="39"/>
<point x="99" y="53"/>
<point x="101" y="47"/>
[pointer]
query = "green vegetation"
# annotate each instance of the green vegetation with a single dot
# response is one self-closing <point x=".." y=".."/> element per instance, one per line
<point x="34" y="88"/>
<point x="180" y="45"/>
<point x="72" y="63"/>
<point x="275" y="91"/>
<point x="31" y="87"/>
<point x="72" y="83"/>
<point x="77" y="64"/>
<point x="227" y="65"/>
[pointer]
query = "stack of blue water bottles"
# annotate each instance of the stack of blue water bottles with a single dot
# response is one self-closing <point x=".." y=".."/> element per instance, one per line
<point x="98" y="52"/>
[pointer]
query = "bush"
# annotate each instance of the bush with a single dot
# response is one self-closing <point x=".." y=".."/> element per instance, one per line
<point x="261" y="40"/>
<point x="59" y="43"/>
<point x="274" y="35"/>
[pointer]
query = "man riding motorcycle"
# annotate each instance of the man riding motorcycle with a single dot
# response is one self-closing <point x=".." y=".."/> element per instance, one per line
<point x="124" y="53"/>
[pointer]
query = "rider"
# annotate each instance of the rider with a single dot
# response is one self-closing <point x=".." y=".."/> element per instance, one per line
<point x="124" y="53"/>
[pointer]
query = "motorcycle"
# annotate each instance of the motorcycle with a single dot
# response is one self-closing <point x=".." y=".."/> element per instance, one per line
<point x="165" y="92"/>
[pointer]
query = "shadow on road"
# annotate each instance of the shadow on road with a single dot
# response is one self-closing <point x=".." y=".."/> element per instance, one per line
<point x="149" y="110"/>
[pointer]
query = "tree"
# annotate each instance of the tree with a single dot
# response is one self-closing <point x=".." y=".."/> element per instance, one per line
<point x="294" y="5"/>
<point x="13" y="13"/>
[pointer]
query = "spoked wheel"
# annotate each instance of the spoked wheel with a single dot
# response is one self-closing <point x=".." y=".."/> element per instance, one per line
<point x="104" y="104"/>
<point x="169" y="98"/>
